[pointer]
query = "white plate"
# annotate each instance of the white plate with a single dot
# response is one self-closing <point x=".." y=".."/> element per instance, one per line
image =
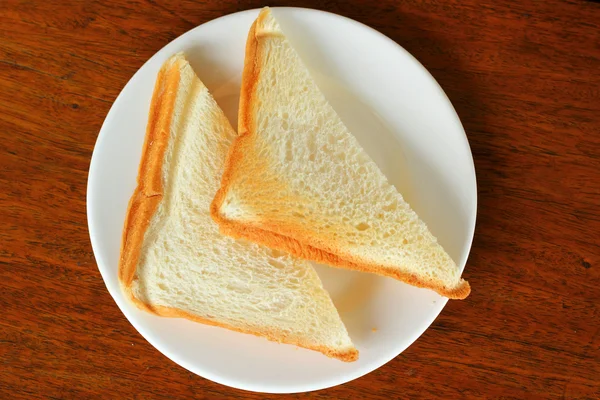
<point x="402" y="118"/>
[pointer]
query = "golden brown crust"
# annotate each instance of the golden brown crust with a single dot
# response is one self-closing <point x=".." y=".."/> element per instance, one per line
<point x="280" y="337"/>
<point x="294" y="241"/>
<point x="249" y="80"/>
<point x="299" y="249"/>
<point x="149" y="191"/>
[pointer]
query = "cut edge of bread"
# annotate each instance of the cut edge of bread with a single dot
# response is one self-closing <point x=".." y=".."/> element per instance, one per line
<point x="267" y="235"/>
<point x="144" y="203"/>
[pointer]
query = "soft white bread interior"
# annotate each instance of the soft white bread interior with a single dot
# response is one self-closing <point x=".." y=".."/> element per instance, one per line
<point x="174" y="262"/>
<point x="297" y="180"/>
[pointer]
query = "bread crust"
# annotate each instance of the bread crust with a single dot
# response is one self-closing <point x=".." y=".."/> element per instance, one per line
<point x="348" y="355"/>
<point x="147" y="196"/>
<point x="149" y="190"/>
<point x="295" y="241"/>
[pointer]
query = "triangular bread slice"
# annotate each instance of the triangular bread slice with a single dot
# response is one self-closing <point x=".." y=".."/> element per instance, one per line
<point x="175" y="263"/>
<point x="297" y="180"/>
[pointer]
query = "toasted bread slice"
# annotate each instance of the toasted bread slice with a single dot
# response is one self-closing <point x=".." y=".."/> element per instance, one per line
<point x="175" y="263"/>
<point x="297" y="180"/>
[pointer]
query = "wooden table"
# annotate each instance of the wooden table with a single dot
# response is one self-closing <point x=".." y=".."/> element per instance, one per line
<point x="525" y="80"/>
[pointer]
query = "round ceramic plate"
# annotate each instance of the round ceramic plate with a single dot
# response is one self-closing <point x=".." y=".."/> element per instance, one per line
<point x="404" y="121"/>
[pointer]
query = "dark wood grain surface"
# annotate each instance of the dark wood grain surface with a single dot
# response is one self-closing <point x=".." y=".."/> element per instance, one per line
<point x="525" y="79"/>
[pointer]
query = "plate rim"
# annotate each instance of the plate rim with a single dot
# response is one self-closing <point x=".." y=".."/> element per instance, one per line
<point x="204" y="373"/>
